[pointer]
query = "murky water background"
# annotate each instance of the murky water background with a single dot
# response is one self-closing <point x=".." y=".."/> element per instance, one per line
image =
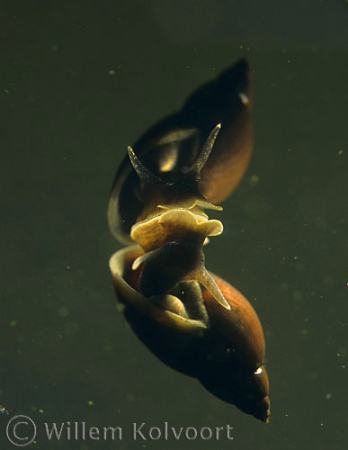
<point x="78" y="84"/>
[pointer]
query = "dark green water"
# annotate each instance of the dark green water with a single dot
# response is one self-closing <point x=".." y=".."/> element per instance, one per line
<point x="78" y="83"/>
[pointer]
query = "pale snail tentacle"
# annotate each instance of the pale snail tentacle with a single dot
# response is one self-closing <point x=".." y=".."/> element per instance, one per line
<point x="143" y="173"/>
<point x="204" y="277"/>
<point x="206" y="150"/>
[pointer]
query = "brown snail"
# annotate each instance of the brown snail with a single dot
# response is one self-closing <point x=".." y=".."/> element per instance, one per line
<point x="190" y="318"/>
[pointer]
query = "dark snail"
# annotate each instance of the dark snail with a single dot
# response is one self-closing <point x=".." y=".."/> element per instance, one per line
<point x="191" y="319"/>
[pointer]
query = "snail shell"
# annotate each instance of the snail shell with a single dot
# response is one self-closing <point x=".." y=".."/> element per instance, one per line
<point x="222" y="348"/>
<point x="174" y="143"/>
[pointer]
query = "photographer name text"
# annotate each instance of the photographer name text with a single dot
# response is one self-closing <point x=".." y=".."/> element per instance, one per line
<point x="80" y="431"/>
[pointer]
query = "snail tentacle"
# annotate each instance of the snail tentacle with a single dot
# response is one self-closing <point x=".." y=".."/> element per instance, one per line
<point x="144" y="174"/>
<point x="206" y="151"/>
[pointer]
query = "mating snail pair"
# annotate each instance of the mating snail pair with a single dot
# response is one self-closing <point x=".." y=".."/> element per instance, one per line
<point x="190" y="318"/>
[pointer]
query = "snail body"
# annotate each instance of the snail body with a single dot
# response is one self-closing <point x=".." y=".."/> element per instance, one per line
<point x="190" y="318"/>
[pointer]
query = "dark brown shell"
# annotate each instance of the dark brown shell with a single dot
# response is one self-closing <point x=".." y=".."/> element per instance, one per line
<point x="173" y="144"/>
<point x="223" y="349"/>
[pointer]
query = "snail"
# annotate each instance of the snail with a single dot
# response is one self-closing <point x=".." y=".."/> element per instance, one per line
<point x="190" y="318"/>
